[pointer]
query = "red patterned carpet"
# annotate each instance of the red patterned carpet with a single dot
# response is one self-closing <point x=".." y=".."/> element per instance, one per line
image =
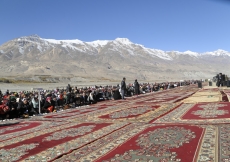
<point x="48" y="144"/>
<point x="210" y="113"/>
<point x="130" y="112"/>
<point x="143" y="143"/>
<point x="152" y="127"/>
<point x="163" y="143"/>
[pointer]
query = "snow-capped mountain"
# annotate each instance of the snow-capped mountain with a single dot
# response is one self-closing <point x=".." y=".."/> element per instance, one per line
<point x="106" y="58"/>
<point x="218" y="52"/>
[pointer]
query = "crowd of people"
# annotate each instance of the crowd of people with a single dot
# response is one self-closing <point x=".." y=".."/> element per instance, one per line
<point x="24" y="104"/>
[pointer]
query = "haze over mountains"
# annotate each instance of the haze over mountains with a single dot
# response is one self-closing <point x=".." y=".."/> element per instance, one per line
<point x="29" y="57"/>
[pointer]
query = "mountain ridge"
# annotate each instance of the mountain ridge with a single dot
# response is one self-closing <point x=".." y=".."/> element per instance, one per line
<point x="108" y="59"/>
<point x="101" y="43"/>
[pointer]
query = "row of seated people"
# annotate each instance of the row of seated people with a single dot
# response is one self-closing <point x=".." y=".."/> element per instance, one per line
<point x="24" y="104"/>
<point x="15" y="107"/>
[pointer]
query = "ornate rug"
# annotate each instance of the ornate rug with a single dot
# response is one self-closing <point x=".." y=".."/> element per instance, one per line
<point x="163" y="143"/>
<point x="49" y="144"/>
<point x="167" y="97"/>
<point x="132" y="112"/>
<point x="75" y="112"/>
<point x="72" y="113"/>
<point x="128" y="113"/>
<point x="210" y="113"/>
<point x="23" y="128"/>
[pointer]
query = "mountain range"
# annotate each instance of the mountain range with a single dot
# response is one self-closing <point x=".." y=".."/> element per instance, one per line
<point x="37" y="59"/>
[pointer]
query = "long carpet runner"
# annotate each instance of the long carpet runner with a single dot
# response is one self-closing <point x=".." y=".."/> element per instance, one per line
<point x="158" y="126"/>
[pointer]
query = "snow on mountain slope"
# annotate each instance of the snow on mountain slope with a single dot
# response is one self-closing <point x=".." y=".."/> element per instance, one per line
<point x="123" y="41"/>
<point x="195" y="54"/>
<point x="190" y="53"/>
<point x="97" y="43"/>
<point x="158" y="53"/>
<point x="54" y="41"/>
<point x="121" y="45"/>
<point x="218" y="52"/>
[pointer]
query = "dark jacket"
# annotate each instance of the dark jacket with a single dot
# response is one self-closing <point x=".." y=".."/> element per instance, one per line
<point x="116" y="95"/>
<point x="84" y="99"/>
<point x="77" y="100"/>
<point x="12" y="105"/>
<point x="24" y="108"/>
<point x="123" y="85"/>
<point x="69" y="88"/>
<point x="137" y="87"/>
<point x="48" y="104"/>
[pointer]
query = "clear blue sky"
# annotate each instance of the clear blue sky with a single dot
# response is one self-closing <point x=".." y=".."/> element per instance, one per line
<point x="196" y="25"/>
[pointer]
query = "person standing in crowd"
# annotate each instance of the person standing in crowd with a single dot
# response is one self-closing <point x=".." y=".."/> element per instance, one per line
<point x="123" y="88"/>
<point x="69" y="88"/>
<point x="68" y="97"/>
<point x="219" y="80"/>
<point x="137" y="87"/>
